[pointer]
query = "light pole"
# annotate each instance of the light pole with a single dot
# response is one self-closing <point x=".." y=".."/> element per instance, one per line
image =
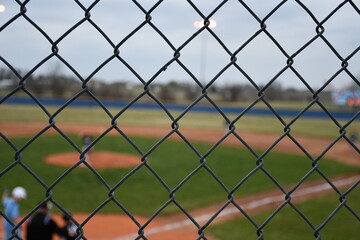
<point x="203" y="49"/>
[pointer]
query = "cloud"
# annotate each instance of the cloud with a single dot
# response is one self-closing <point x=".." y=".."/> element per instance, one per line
<point x="148" y="50"/>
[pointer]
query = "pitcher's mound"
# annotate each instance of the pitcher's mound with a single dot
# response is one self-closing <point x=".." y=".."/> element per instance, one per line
<point x="99" y="160"/>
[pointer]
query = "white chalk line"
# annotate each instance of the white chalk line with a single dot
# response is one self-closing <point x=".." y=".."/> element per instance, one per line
<point x="248" y="206"/>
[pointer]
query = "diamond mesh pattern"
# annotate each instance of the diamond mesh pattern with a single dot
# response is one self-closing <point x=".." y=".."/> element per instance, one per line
<point x="264" y="28"/>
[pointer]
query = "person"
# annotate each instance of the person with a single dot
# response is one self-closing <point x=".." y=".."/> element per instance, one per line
<point x="354" y="137"/>
<point x="226" y="126"/>
<point x="87" y="140"/>
<point x="41" y="226"/>
<point x="11" y="210"/>
<point x="69" y="229"/>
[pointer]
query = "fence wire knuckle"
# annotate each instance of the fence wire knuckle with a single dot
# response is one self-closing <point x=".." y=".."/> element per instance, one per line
<point x="174" y="126"/>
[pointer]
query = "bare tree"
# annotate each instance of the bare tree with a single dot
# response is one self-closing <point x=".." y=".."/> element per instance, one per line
<point x="274" y="92"/>
<point x="37" y="85"/>
<point x="232" y="93"/>
<point x="58" y="83"/>
<point x="166" y="93"/>
<point x="192" y="92"/>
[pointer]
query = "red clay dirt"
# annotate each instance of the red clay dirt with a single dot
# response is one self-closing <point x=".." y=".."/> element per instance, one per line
<point x="98" y="160"/>
<point x="106" y="227"/>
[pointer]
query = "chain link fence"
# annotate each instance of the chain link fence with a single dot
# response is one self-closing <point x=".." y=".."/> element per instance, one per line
<point x="201" y="226"/>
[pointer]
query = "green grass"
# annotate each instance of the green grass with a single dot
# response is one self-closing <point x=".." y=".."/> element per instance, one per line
<point x="288" y="224"/>
<point x="142" y="193"/>
<point x="291" y="105"/>
<point x="267" y="124"/>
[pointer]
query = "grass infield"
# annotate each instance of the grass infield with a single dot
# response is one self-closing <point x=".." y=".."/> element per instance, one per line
<point x="142" y="193"/>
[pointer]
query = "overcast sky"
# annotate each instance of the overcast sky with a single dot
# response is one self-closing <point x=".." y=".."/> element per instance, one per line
<point x="146" y="51"/>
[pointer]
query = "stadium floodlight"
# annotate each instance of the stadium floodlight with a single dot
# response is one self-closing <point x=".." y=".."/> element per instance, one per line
<point x="2" y="8"/>
<point x="200" y="24"/>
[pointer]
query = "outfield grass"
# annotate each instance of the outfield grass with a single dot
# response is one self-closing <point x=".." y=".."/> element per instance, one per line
<point x="287" y="224"/>
<point x="290" y="105"/>
<point x="142" y="193"/>
<point x="266" y="124"/>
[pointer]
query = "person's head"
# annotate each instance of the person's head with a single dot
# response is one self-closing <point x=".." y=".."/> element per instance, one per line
<point x="44" y="208"/>
<point x="18" y="193"/>
<point x="66" y="217"/>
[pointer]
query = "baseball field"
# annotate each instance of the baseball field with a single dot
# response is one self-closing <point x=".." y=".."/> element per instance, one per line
<point x="135" y="170"/>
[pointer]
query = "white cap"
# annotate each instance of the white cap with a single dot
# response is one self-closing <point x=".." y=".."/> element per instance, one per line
<point x="19" y="193"/>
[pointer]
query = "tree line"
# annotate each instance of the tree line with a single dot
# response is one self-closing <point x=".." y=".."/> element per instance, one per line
<point x="57" y="85"/>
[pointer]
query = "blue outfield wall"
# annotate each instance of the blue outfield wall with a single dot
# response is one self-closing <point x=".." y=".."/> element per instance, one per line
<point x="209" y="109"/>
